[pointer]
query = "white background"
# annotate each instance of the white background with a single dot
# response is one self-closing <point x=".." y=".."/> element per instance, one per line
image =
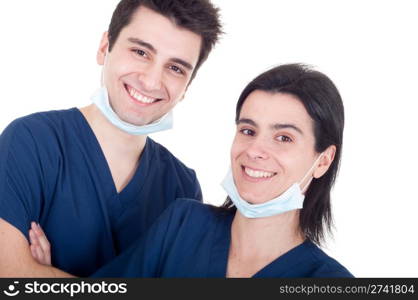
<point x="368" y="48"/>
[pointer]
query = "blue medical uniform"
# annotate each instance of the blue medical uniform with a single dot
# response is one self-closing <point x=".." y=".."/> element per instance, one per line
<point x="53" y="171"/>
<point x="191" y="239"/>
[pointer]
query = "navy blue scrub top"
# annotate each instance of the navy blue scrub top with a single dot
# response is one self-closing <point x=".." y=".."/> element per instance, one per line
<point x="53" y="171"/>
<point x="191" y="239"/>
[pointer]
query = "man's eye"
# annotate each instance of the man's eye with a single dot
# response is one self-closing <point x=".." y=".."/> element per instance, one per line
<point x="246" y="131"/>
<point x="140" y="52"/>
<point x="284" y="139"/>
<point x="176" y="69"/>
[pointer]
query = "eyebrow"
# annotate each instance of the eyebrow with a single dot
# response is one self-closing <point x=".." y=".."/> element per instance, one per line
<point x="142" y="43"/>
<point x="286" y="126"/>
<point x="153" y="50"/>
<point x="246" y="121"/>
<point x="276" y="126"/>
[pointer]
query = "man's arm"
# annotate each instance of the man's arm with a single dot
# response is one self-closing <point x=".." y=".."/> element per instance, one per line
<point x="16" y="259"/>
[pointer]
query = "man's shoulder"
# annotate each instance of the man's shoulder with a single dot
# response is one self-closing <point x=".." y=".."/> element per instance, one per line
<point x="41" y="121"/>
<point x="163" y="155"/>
<point x="40" y="132"/>
<point x="172" y="173"/>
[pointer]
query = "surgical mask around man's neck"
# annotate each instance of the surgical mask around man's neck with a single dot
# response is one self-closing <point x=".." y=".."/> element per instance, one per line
<point x="290" y="199"/>
<point x="101" y="99"/>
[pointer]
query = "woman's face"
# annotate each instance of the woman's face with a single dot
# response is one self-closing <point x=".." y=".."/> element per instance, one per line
<point x="273" y="146"/>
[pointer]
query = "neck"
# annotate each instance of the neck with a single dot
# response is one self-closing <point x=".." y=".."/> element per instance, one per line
<point x="265" y="237"/>
<point x="109" y="134"/>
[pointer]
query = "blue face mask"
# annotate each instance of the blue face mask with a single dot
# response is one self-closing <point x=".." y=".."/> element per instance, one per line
<point x="289" y="200"/>
<point x="101" y="100"/>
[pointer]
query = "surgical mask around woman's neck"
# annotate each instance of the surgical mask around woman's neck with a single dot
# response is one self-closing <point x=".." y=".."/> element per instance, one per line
<point x="101" y="100"/>
<point x="290" y="199"/>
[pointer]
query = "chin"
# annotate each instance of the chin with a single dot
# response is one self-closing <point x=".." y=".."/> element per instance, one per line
<point x="131" y="118"/>
<point x="257" y="198"/>
<point x="251" y="197"/>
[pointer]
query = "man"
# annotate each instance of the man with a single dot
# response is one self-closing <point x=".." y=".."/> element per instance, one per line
<point x="91" y="177"/>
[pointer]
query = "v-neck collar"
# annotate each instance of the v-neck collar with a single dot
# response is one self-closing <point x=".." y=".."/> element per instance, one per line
<point x="134" y="185"/>
<point x="218" y="262"/>
<point x="285" y="262"/>
<point x="137" y="181"/>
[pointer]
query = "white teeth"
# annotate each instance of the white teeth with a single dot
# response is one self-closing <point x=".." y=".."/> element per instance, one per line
<point x="257" y="174"/>
<point x="139" y="97"/>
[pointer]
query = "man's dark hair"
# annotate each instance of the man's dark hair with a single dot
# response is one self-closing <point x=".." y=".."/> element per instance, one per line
<point x="324" y="105"/>
<point x="198" y="16"/>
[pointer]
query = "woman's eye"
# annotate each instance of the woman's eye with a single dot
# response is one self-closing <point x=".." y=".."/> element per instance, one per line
<point x="247" y="132"/>
<point x="284" y="139"/>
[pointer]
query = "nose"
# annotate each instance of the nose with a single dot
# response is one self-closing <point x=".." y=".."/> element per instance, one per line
<point x="151" y="77"/>
<point x="257" y="149"/>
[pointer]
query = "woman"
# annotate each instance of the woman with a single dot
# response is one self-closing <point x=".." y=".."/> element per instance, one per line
<point x="284" y="161"/>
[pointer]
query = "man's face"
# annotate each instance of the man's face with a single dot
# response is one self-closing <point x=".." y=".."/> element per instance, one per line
<point x="149" y="67"/>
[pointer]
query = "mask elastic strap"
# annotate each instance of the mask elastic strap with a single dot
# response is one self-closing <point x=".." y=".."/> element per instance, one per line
<point x="307" y="173"/>
<point x="306" y="186"/>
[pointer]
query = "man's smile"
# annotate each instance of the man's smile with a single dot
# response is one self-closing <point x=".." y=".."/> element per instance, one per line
<point x="139" y="97"/>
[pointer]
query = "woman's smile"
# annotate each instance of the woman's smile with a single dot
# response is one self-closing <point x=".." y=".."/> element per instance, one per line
<point x="256" y="175"/>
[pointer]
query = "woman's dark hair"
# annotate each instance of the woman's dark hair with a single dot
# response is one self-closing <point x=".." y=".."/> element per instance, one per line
<point x="323" y="103"/>
<point x="198" y="16"/>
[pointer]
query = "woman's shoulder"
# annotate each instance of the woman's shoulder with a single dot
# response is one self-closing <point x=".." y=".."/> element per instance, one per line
<point x="188" y="206"/>
<point x="192" y="210"/>
<point x="187" y="220"/>
<point x="325" y="265"/>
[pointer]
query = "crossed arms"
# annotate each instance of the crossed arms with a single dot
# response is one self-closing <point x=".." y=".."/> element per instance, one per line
<point x="19" y="259"/>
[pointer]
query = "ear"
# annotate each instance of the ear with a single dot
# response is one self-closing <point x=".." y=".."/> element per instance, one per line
<point x="325" y="161"/>
<point x="103" y="47"/>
